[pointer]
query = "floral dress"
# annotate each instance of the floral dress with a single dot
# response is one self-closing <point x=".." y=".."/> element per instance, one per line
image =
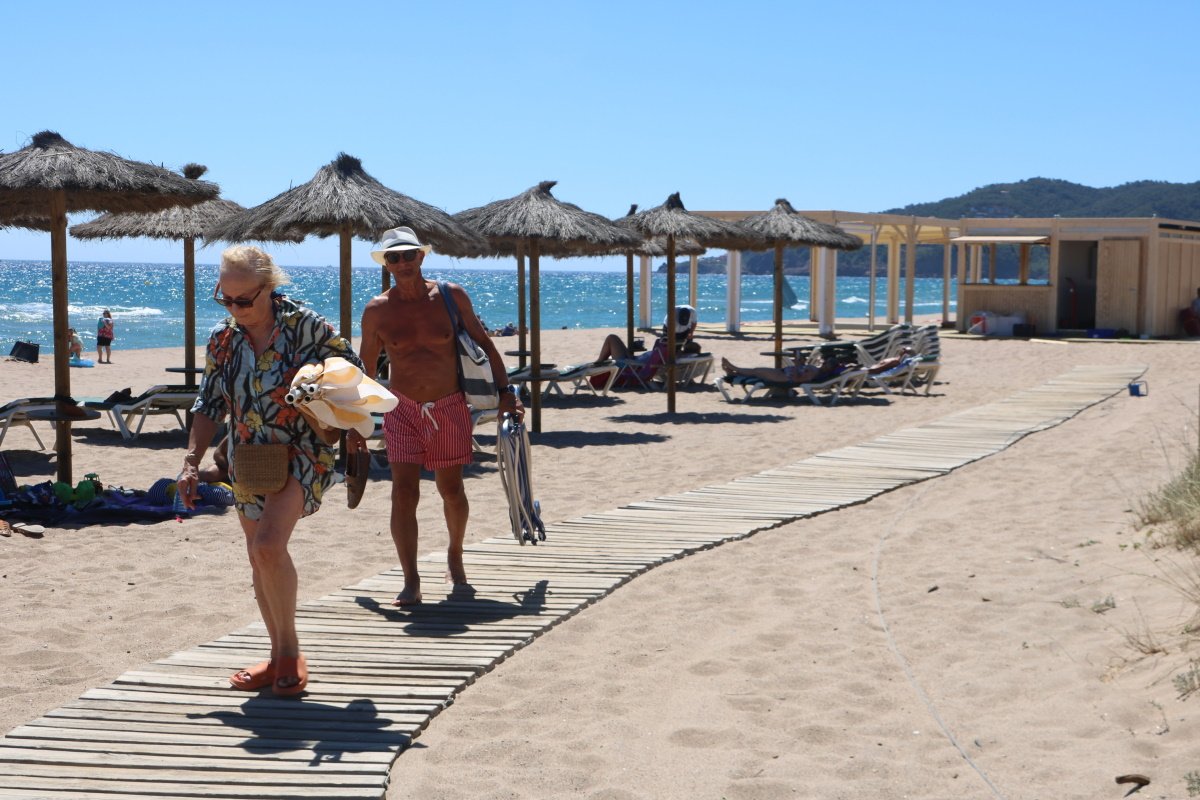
<point x="251" y="389"/>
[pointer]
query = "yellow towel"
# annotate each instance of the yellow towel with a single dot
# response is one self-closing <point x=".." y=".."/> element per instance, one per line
<point x="338" y="395"/>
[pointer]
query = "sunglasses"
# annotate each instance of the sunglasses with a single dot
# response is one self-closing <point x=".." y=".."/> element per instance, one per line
<point x="407" y="256"/>
<point x="240" y="302"/>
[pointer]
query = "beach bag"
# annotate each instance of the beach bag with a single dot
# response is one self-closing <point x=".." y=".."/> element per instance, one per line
<point x="260" y="468"/>
<point x="474" y="369"/>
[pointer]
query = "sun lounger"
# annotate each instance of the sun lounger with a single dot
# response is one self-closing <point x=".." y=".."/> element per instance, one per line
<point x="14" y="413"/>
<point x="847" y="382"/>
<point x="154" y="401"/>
<point x="580" y="377"/>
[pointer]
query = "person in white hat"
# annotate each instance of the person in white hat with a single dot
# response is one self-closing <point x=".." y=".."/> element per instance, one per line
<point x="431" y="426"/>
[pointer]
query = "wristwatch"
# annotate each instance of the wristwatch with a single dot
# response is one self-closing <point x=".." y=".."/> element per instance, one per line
<point x="511" y="389"/>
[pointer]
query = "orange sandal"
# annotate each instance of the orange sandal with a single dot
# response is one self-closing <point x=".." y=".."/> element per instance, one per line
<point x="290" y="667"/>
<point x="260" y="676"/>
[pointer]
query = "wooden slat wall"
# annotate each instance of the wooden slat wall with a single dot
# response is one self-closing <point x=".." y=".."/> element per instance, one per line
<point x="379" y="675"/>
<point x="1035" y="303"/>
<point x="1178" y="274"/>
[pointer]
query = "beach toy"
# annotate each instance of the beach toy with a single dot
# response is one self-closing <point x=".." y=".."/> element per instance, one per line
<point x="158" y="493"/>
<point x="337" y="395"/>
<point x="1139" y="389"/>
<point x="63" y="492"/>
<point x="81" y="362"/>
<point x="216" y="494"/>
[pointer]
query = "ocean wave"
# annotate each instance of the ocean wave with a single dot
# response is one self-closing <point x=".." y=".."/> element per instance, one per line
<point x="44" y="312"/>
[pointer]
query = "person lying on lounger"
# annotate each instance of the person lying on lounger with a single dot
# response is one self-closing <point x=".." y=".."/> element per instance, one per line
<point x="794" y="373"/>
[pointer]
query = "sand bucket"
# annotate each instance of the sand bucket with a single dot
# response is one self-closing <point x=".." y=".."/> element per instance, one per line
<point x="1138" y="389"/>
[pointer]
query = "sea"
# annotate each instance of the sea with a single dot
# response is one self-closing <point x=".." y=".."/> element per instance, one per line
<point x="146" y="300"/>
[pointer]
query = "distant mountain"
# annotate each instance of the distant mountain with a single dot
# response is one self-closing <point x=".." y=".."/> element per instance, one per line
<point x="1034" y="197"/>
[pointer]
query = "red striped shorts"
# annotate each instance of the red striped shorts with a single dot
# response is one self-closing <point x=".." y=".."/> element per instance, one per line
<point x="436" y="434"/>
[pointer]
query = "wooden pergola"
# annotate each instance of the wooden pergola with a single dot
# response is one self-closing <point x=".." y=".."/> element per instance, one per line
<point x="900" y="234"/>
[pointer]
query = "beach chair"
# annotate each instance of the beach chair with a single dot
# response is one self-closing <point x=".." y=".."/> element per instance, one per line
<point x="155" y="401"/>
<point x="928" y="346"/>
<point x="581" y="376"/>
<point x="14" y="413"/>
<point x="848" y="382"/>
<point x="691" y="368"/>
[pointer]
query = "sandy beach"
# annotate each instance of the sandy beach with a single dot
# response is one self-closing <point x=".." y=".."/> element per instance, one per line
<point x="938" y="641"/>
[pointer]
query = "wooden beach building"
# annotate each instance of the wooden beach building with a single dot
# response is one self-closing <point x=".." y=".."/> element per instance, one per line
<point x="1104" y="275"/>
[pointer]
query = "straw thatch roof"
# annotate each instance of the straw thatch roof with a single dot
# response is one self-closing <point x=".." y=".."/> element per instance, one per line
<point x="91" y="180"/>
<point x="657" y="246"/>
<point x="342" y="194"/>
<point x="671" y="218"/>
<point x="783" y="225"/>
<point x="561" y="228"/>
<point x="176" y="223"/>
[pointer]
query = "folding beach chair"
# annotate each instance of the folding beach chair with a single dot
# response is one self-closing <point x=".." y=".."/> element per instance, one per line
<point x="155" y="401"/>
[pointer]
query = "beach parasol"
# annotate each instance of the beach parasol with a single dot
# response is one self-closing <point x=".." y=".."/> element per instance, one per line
<point x="51" y="177"/>
<point x="343" y="200"/>
<point x="535" y="221"/>
<point x="672" y="221"/>
<point x="655" y="248"/>
<point x="178" y="223"/>
<point x="783" y="227"/>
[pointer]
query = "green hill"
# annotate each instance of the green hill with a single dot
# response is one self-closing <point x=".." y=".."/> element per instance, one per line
<point x="1034" y="197"/>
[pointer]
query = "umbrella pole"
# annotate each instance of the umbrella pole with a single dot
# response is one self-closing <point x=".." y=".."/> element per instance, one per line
<point x="629" y="301"/>
<point x="62" y="370"/>
<point x="671" y="323"/>
<point x="521" y="339"/>
<point x="778" y="305"/>
<point x="535" y="336"/>
<point x="344" y="269"/>
<point x="189" y="311"/>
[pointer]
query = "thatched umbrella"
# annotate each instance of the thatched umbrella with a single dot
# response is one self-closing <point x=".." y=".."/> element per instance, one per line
<point x="672" y="221"/>
<point x="655" y="248"/>
<point x="51" y="177"/>
<point x="343" y="200"/>
<point x="783" y="227"/>
<point x="537" y="222"/>
<point x="187" y="224"/>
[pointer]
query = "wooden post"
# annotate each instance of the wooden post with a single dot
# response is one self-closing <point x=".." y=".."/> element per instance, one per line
<point x="947" y="255"/>
<point x="961" y="271"/>
<point x="646" y="298"/>
<point x="893" y="281"/>
<point x="910" y="272"/>
<point x="629" y="300"/>
<point x="733" y="291"/>
<point x="670" y="323"/>
<point x="992" y="263"/>
<point x="189" y="311"/>
<point x="535" y="334"/>
<point x="871" y="289"/>
<point x="814" y="299"/>
<point x="62" y="370"/>
<point x="693" y="276"/>
<point x="778" y="305"/>
<point x="1023" y="268"/>
<point x="521" y="333"/>
<point x="345" y="320"/>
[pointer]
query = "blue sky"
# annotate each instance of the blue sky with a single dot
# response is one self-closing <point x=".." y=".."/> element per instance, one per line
<point x="862" y="106"/>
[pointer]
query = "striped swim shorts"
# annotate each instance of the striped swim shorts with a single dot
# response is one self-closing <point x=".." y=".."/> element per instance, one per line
<point x="436" y="434"/>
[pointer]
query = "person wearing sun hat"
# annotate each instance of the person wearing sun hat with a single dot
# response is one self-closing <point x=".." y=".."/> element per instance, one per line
<point x="431" y="425"/>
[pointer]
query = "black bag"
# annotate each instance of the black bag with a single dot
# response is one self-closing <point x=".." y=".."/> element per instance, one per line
<point x="25" y="351"/>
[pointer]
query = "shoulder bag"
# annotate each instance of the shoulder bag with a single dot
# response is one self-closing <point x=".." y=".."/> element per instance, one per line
<point x="474" y="369"/>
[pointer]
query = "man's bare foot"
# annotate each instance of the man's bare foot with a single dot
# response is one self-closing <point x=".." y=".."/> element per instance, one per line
<point x="727" y="366"/>
<point x="408" y="597"/>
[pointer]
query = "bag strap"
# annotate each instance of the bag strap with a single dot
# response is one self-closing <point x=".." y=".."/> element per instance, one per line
<point x="452" y="310"/>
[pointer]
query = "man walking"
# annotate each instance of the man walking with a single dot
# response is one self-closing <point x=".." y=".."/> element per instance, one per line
<point x="431" y="426"/>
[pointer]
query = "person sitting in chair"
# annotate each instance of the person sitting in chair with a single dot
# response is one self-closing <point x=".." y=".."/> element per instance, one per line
<point x="648" y="362"/>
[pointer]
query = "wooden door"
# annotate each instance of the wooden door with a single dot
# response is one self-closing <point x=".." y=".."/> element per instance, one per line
<point x="1118" y="281"/>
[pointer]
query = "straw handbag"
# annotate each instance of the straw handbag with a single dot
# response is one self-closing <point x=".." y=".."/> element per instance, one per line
<point x="260" y="468"/>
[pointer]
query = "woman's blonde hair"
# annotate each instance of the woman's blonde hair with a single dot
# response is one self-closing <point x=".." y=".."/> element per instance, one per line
<point x="247" y="259"/>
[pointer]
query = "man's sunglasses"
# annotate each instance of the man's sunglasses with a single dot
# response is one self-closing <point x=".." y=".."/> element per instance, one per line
<point x="240" y="302"/>
<point x="407" y="256"/>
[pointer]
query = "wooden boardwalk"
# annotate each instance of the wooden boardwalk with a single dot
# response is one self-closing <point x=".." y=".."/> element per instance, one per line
<point x="379" y="675"/>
